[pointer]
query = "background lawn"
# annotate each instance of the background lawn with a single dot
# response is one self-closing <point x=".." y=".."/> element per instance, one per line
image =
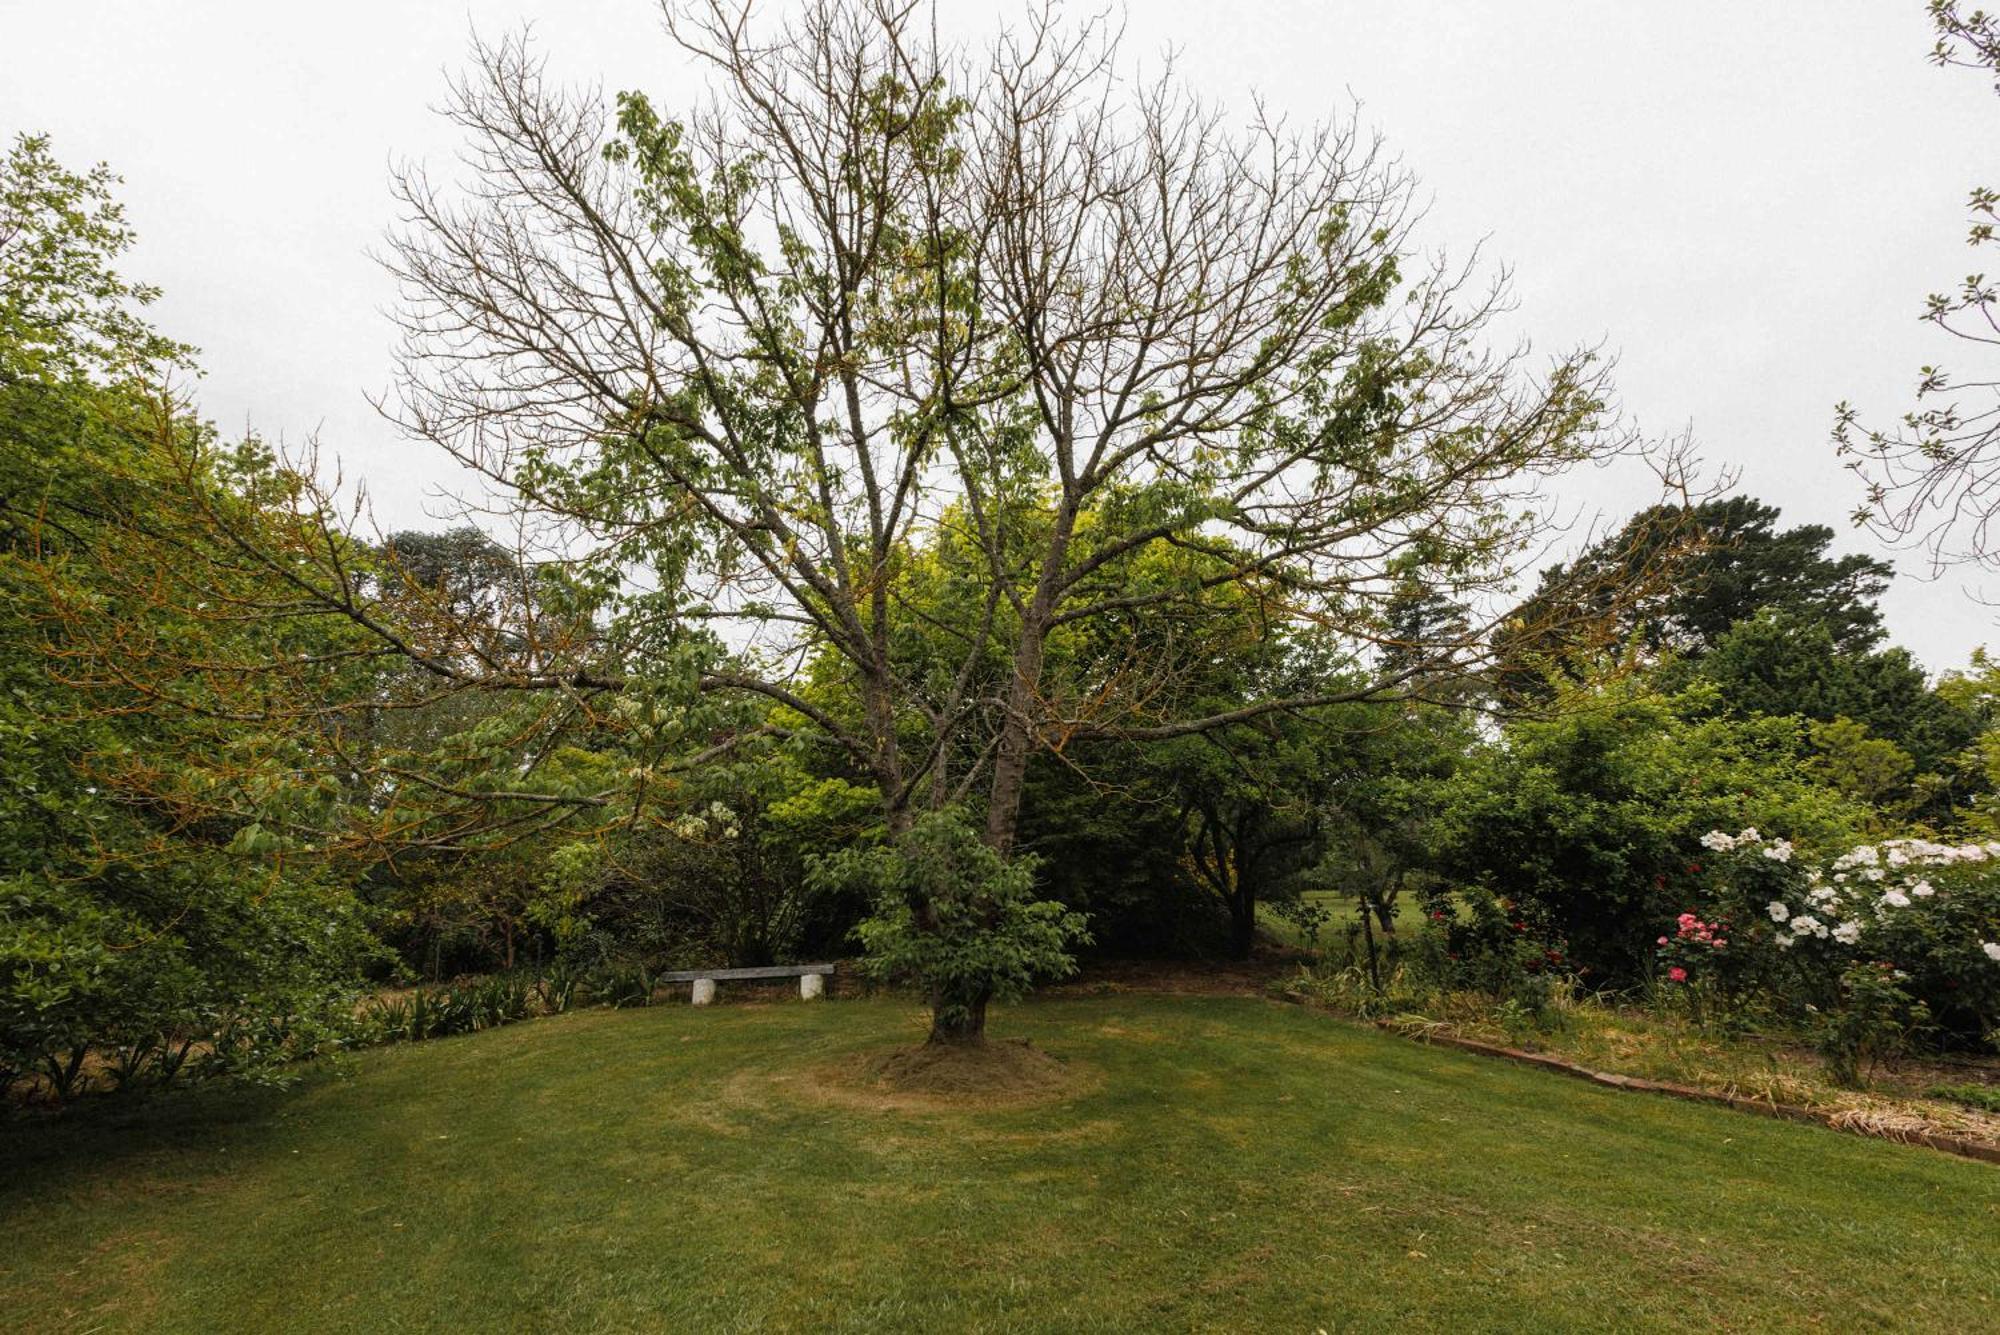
<point x="1226" y="1163"/>
<point x="1333" y="935"/>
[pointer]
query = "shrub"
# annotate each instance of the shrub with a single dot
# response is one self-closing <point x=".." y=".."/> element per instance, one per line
<point x="1591" y="818"/>
<point x="1704" y="968"/>
<point x="227" y="969"/>
<point x="1479" y="942"/>
<point x="1876" y="1018"/>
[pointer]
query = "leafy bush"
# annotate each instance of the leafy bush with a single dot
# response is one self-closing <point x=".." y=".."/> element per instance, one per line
<point x="1876" y="1018"/>
<point x="440" y="1012"/>
<point x="1479" y="942"/>
<point x="210" y="967"/>
<point x="1701" y="971"/>
<point x="725" y="879"/>
<point x="1590" y="819"/>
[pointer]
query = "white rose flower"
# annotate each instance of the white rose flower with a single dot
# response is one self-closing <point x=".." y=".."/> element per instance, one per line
<point x="1992" y="949"/>
<point x="1873" y="874"/>
<point x="1923" y="889"/>
<point x="1776" y="908"/>
<point x="1847" y="933"/>
<point x="1717" y="842"/>
<point x="1781" y="851"/>
<point x="1749" y="836"/>
<point x="1807" y="925"/>
<point x="1896" y="899"/>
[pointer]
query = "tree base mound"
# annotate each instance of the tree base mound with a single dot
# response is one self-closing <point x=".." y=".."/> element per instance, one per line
<point x="1011" y="1069"/>
<point x="937" y="1077"/>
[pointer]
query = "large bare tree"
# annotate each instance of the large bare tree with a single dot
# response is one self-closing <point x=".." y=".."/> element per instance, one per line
<point x="730" y="370"/>
<point x="1933" y="477"/>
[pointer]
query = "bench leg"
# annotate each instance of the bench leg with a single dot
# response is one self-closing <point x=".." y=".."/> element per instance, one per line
<point x="812" y="986"/>
<point x="704" y="992"/>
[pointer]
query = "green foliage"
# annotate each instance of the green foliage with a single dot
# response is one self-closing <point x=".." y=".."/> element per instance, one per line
<point x="1478" y="942"/>
<point x="1588" y="818"/>
<point x="1729" y="562"/>
<point x="956" y="919"/>
<point x="1882" y="947"/>
<point x="723" y="881"/>
<point x="1710" y="968"/>
<point x="486" y="1003"/>
<point x="1776" y="666"/>
<point x="66" y="314"/>
<point x="140" y="938"/>
<point x="1985" y="1098"/>
<point x="1874" y="771"/>
<point x="1675" y="580"/>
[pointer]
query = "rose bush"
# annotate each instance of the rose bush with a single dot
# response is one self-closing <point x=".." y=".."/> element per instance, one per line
<point x="1910" y="927"/>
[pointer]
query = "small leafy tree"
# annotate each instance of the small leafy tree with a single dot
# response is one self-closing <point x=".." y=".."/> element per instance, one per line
<point x="957" y="919"/>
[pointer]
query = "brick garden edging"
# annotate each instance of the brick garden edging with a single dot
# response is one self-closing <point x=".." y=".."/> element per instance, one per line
<point x="1971" y="1149"/>
<point x="1981" y="1150"/>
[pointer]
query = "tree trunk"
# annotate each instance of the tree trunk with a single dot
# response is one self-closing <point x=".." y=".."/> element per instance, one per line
<point x="1242" y="924"/>
<point x="966" y="1027"/>
<point x="1017" y="730"/>
<point x="1374" y="964"/>
<point x="878" y="705"/>
<point x="1010" y="757"/>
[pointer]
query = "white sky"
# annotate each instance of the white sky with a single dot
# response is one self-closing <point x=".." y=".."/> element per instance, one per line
<point x="1745" y="203"/>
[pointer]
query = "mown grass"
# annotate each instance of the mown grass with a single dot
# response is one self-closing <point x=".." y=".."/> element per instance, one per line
<point x="1340" y="924"/>
<point x="1225" y="1163"/>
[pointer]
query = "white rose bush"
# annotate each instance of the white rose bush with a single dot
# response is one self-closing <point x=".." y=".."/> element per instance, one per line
<point x="1874" y="947"/>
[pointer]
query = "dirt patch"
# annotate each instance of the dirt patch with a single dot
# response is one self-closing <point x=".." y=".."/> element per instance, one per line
<point x="1009" y="1073"/>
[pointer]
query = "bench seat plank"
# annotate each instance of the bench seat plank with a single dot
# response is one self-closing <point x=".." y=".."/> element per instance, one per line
<point x="725" y="975"/>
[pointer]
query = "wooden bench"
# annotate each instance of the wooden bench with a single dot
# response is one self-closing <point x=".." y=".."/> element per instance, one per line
<point x="812" y="979"/>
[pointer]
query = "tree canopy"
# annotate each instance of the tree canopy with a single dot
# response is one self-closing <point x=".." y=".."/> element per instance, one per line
<point x="735" y="368"/>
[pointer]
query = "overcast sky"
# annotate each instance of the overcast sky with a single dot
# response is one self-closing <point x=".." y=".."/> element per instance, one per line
<point x="1745" y="203"/>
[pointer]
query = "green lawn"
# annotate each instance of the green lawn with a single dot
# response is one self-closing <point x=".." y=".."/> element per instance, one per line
<point x="1227" y="1164"/>
<point x="1340" y="918"/>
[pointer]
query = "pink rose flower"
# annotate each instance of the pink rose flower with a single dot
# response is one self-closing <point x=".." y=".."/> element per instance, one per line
<point x="1678" y="974"/>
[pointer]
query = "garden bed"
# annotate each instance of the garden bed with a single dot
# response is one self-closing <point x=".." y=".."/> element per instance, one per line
<point x="1634" y="1047"/>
